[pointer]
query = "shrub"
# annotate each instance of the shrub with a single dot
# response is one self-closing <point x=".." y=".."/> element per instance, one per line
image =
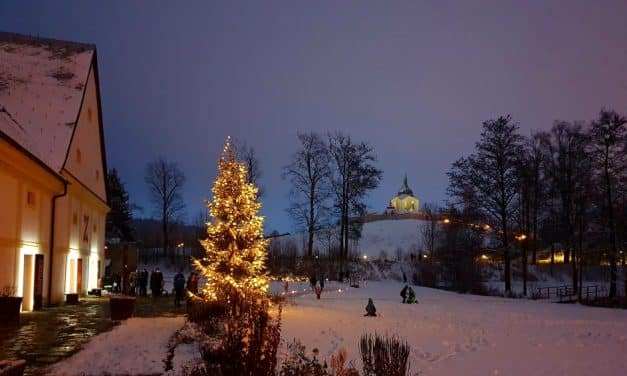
<point x="248" y="341"/>
<point x="297" y="363"/>
<point x="383" y="355"/>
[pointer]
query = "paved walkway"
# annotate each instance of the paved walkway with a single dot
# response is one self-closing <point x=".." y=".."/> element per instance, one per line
<point x="47" y="336"/>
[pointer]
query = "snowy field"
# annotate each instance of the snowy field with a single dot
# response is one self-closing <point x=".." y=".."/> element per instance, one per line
<point x="449" y="334"/>
<point x="454" y="334"/>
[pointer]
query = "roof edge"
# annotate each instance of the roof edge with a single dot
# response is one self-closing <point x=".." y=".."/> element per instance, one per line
<point x="31" y="39"/>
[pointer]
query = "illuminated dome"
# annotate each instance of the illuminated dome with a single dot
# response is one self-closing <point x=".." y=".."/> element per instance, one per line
<point x="404" y="202"/>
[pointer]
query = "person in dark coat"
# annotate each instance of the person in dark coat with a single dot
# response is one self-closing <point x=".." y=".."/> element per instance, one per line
<point x="321" y="283"/>
<point x="192" y="283"/>
<point x="404" y="293"/>
<point x="156" y="282"/>
<point x="143" y="282"/>
<point x="312" y="281"/>
<point x="179" y="288"/>
<point x="404" y="278"/>
<point x="370" y="309"/>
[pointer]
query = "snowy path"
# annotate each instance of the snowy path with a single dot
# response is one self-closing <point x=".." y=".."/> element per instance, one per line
<point x="454" y="334"/>
<point x="138" y="346"/>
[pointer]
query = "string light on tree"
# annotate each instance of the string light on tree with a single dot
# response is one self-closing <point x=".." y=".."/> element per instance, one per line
<point x="235" y="251"/>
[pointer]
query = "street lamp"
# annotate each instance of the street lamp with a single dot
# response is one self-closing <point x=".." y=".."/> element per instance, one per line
<point x="446" y="221"/>
<point x="365" y="257"/>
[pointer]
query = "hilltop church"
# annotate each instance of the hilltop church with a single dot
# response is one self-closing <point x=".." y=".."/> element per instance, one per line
<point x="404" y="202"/>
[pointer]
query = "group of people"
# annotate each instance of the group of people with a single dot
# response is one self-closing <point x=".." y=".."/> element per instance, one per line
<point x="407" y="293"/>
<point x="180" y="285"/>
<point x="138" y="282"/>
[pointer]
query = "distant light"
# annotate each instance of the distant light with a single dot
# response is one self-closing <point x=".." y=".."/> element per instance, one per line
<point x="447" y="221"/>
<point x="365" y="257"/>
<point x="487" y="227"/>
<point x="425" y="256"/>
<point x="484" y="257"/>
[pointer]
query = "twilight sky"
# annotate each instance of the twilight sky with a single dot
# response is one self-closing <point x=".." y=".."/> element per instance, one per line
<point x="414" y="79"/>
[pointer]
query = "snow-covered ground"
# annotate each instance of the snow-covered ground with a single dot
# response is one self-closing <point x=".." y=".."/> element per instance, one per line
<point x="138" y="346"/>
<point x="449" y="334"/>
<point x="454" y="334"/>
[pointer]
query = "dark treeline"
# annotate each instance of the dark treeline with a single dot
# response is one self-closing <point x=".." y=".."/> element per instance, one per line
<point x="567" y="186"/>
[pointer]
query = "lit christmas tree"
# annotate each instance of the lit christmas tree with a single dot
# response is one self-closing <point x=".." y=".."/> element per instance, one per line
<point x="235" y="251"/>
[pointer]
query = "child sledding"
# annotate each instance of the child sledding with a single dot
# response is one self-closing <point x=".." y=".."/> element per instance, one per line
<point x="370" y="309"/>
<point x="408" y="295"/>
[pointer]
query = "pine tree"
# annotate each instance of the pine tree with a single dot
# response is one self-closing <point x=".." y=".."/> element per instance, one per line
<point x="119" y="218"/>
<point x="235" y="251"/>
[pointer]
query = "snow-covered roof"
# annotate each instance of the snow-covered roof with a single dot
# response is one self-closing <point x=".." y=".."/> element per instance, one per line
<point x="41" y="89"/>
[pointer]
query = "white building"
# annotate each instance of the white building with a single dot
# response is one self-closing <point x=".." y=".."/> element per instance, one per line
<point x="52" y="169"/>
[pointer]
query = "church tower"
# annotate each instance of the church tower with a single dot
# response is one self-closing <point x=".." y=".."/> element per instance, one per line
<point x="404" y="201"/>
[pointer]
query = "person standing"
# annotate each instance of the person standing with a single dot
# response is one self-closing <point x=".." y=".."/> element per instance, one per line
<point x="318" y="290"/>
<point x="312" y="281"/>
<point x="192" y="283"/>
<point x="179" y="288"/>
<point x="143" y="282"/>
<point x="156" y="282"/>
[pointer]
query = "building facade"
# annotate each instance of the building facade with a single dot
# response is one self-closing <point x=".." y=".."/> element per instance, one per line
<point x="52" y="169"/>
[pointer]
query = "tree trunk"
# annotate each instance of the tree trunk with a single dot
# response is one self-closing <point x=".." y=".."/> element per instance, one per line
<point x="524" y="271"/>
<point x="612" y="233"/>
<point x="508" y="277"/>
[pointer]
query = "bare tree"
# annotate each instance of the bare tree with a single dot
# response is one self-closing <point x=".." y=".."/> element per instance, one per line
<point x="165" y="182"/>
<point x="353" y="177"/>
<point x="247" y="155"/>
<point x="609" y="138"/>
<point x="488" y="179"/>
<point x="309" y="173"/>
<point x="567" y="173"/>
<point x="428" y="229"/>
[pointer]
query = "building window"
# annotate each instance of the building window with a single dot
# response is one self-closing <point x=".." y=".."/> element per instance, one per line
<point x="30" y="199"/>
<point x="79" y="156"/>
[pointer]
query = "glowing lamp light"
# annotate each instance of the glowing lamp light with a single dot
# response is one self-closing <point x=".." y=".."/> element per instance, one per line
<point x="487" y="227"/>
<point x="447" y="221"/>
<point x="484" y="257"/>
<point x="365" y="257"/>
<point x="425" y="256"/>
